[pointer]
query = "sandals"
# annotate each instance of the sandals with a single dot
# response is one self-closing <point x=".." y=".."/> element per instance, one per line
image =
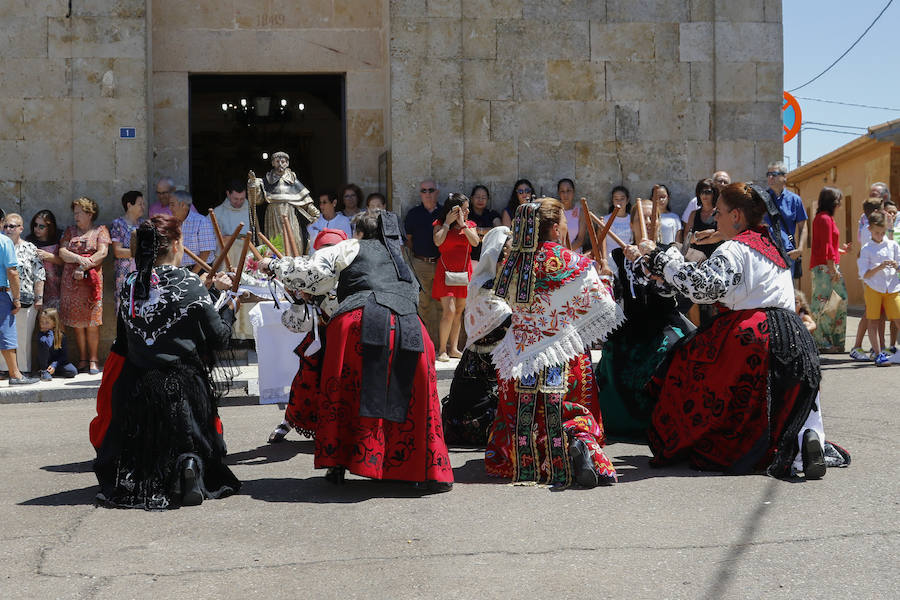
<point x="93" y="369"/>
<point x="83" y="366"/>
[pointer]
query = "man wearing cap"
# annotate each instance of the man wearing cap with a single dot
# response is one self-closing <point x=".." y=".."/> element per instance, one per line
<point x="424" y="254"/>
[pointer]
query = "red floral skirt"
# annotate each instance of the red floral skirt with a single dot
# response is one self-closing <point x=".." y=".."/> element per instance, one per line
<point x="303" y="399"/>
<point x="410" y="451"/>
<point x="714" y="399"/>
<point x="535" y="419"/>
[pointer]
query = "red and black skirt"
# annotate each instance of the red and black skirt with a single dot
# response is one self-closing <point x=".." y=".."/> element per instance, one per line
<point x="413" y="450"/>
<point x="733" y="395"/>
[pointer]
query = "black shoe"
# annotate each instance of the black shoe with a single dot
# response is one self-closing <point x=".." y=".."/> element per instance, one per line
<point x="433" y="487"/>
<point x="23" y="380"/>
<point x="190" y="484"/>
<point x="335" y="475"/>
<point x="813" y="456"/>
<point x="582" y="465"/>
<point x="279" y="433"/>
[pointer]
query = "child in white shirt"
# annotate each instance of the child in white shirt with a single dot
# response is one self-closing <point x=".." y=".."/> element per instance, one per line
<point x="878" y="263"/>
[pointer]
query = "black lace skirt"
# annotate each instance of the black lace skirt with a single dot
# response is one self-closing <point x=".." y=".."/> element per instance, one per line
<point x="160" y="418"/>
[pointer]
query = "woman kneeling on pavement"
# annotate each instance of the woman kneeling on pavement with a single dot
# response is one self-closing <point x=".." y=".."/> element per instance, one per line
<point x="740" y="394"/>
<point x="548" y="427"/>
<point x="378" y="413"/>
<point x="163" y="446"/>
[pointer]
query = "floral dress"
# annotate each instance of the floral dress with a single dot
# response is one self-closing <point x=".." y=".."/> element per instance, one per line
<point x="80" y="304"/>
<point x="120" y="231"/>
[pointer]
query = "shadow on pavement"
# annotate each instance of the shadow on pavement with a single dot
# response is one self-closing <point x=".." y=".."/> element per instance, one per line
<point x="637" y="468"/>
<point x="316" y="490"/>
<point x="81" y="496"/>
<point x="473" y="472"/>
<point x="85" y="466"/>
<point x="271" y="453"/>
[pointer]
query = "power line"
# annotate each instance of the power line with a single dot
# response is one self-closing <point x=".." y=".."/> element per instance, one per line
<point x="847" y="51"/>
<point x="830" y="131"/>
<point x="846" y="103"/>
<point x="835" y="125"/>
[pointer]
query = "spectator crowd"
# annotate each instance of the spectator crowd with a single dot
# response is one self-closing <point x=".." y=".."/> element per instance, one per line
<point x="53" y="276"/>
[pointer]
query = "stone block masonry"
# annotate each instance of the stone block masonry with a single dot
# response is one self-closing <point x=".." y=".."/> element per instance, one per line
<point x="607" y="92"/>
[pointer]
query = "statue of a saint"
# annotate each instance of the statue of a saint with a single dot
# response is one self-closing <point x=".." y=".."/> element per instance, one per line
<point x="284" y="194"/>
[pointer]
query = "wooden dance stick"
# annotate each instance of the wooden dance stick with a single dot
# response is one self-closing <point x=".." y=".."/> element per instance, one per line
<point x="219" y="238"/>
<point x="608" y="226"/>
<point x="289" y="236"/>
<point x="240" y="268"/>
<point x="641" y="225"/>
<point x="654" y="221"/>
<point x="614" y="237"/>
<point x="255" y="253"/>
<point x="203" y="264"/>
<point x="270" y="245"/>
<point x="221" y="257"/>
<point x="595" y="241"/>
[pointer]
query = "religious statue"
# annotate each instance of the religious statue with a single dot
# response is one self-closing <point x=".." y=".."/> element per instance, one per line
<point x="280" y="193"/>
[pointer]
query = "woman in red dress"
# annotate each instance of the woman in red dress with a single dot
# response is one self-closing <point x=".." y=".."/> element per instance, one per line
<point x="378" y="413"/>
<point x="455" y="236"/>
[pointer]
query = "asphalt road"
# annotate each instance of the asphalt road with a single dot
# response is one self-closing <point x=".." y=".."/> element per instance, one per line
<point x="670" y="533"/>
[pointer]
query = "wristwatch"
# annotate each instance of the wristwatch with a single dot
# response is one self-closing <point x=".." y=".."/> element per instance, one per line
<point x="16" y="301"/>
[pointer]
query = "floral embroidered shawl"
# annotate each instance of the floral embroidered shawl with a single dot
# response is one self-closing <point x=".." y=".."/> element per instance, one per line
<point x="570" y="309"/>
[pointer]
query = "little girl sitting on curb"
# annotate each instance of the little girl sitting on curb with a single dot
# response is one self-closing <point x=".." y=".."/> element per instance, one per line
<point x="53" y="356"/>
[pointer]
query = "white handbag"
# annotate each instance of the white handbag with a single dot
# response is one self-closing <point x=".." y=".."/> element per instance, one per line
<point x="454" y="278"/>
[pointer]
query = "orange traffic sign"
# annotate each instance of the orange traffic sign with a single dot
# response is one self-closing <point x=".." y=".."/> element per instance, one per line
<point x="790" y="117"/>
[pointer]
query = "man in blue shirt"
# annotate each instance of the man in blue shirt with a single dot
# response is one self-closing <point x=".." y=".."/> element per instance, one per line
<point x="9" y="306"/>
<point x="423" y="253"/>
<point x="793" y="216"/>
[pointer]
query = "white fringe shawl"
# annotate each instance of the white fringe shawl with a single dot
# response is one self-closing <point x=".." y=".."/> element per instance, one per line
<point x="601" y="319"/>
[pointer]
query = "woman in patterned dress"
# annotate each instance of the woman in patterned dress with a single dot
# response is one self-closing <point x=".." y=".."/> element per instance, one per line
<point x="120" y="233"/>
<point x="740" y="394"/>
<point x="378" y="414"/>
<point x="83" y="247"/>
<point x="160" y="440"/>
<point x="548" y="427"/>
<point x="45" y="236"/>
<point x="827" y="281"/>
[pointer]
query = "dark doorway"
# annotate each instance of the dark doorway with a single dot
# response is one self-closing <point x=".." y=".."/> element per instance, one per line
<point x="236" y="120"/>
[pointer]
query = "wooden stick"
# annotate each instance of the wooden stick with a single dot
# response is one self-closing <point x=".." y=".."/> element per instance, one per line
<point x="595" y="241"/>
<point x="641" y="225"/>
<point x="606" y="228"/>
<point x="255" y="253"/>
<point x="221" y="258"/>
<point x="240" y="268"/>
<point x="198" y="260"/>
<point x="612" y="235"/>
<point x="215" y="224"/>
<point x="271" y="246"/>
<point x="654" y="220"/>
<point x="289" y="236"/>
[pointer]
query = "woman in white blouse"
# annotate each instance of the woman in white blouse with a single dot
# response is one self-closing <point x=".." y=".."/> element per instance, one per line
<point x="741" y="394"/>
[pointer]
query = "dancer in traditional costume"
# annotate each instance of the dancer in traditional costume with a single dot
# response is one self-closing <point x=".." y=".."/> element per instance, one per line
<point x="378" y="414"/>
<point x="311" y="318"/>
<point x="548" y="427"/>
<point x="469" y="409"/>
<point x="740" y="394"/>
<point x="163" y="446"/>
<point x="632" y="352"/>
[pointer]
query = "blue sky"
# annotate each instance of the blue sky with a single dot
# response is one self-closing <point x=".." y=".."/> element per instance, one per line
<point x="815" y="34"/>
